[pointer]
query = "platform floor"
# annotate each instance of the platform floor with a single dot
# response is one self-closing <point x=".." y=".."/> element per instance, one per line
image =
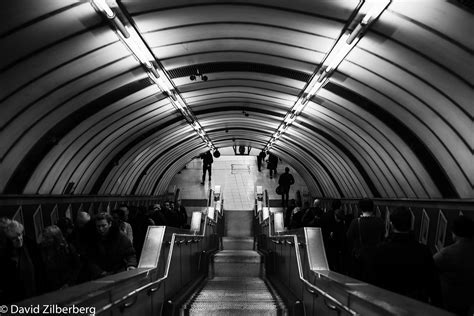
<point x="238" y="176"/>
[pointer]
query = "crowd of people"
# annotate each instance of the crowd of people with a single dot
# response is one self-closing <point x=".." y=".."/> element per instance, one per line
<point x="394" y="260"/>
<point x="72" y="252"/>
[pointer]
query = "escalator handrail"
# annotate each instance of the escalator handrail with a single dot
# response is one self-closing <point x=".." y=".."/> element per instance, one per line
<point x="309" y="284"/>
<point x="150" y="285"/>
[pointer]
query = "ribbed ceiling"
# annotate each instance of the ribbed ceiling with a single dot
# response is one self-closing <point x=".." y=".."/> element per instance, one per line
<point x="394" y="120"/>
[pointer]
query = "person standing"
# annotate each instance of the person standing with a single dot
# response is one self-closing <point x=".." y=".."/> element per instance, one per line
<point x="285" y="181"/>
<point x="60" y="261"/>
<point x="158" y="216"/>
<point x="182" y="215"/>
<point x="110" y="251"/>
<point x="260" y="158"/>
<point x="333" y="228"/>
<point x="403" y="265"/>
<point x="140" y="225"/>
<point x="363" y="236"/>
<point x="455" y="263"/>
<point x="119" y="216"/>
<point x="207" y="161"/>
<point x="289" y="212"/>
<point x="312" y="216"/>
<point x="19" y="263"/>
<point x="170" y="214"/>
<point x="272" y="164"/>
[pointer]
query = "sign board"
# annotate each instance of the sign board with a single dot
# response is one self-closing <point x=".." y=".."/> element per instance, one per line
<point x="196" y="222"/>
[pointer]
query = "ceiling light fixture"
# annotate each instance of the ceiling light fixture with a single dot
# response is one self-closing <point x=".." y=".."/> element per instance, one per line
<point x="132" y="39"/>
<point x="370" y="11"/>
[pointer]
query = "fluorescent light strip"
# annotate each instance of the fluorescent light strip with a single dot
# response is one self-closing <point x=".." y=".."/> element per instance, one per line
<point x="289" y="118"/>
<point x="137" y="46"/>
<point x="337" y="54"/>
<point x="299" y="106"/>
<point x="104" y="7"/>
<point x="196" y="126"/>
<point x="315" y="88"/>
<point x="375" y="9"/>
<point x="162" y="85"/>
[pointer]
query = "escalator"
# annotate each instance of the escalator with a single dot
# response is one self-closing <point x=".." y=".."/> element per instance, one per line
<point x="236" y="283"/>
<point x="233" y="263"/>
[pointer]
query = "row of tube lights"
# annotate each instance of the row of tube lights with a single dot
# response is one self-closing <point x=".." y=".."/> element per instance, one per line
<point x="139" y="49"/>
<point x="371" y="10"/>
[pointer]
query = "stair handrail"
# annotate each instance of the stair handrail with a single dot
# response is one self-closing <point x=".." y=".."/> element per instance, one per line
<point x="151" y="286"/>
<point x="210" y="197"/>
<point x="304" y="280"/>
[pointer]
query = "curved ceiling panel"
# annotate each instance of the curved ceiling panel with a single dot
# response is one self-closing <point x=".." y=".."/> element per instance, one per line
<point x="392" y="119"/>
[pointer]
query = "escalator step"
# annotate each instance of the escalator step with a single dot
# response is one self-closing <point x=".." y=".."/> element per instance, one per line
<point x="235" y="296"/>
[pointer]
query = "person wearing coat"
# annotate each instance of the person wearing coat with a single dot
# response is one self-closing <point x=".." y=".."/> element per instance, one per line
<point x="19" y="263"/>
<point x="455" y="263"/>
<point x="272" y="164"/>
<point x="261" y="156"/>
<point x="207" y="161"/>
<point x="111" y="251"/>
<point x="285" y="181"/>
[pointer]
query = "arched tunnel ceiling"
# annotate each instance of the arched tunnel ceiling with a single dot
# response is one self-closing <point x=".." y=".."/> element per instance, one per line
<point x="394" y="119"/>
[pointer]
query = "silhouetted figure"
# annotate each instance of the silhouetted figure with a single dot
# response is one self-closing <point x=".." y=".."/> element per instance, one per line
<point x="207" y="161"/>
<point x="272" y="164"/>
<point x="140" y="224"/>
<point x="333" y="226"/>
<point x="363" y="235"/>
<point x="403" y="265"/>
<point x="119" y="216"/>
<point x="19" y="263"/>
<point x="261" y="157"/>
<point x="171" y="216"/>
<point x="61" y="262"/>
<point x="111" y="251"/>
<point x="289" y="212"/>
<point x="312" y="216"/>
<point x="126" y="212"/>
<point x="182" y="215"/>
<point x="67" y="228"/>
<point x="285" y="181"/>
<point x="84" y="234"/>
<point x="296" y="217"/>
<point x="455" y="264"/>
<point x="158" y="216"/>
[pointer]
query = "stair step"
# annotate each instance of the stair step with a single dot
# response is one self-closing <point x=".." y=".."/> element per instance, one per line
<point x="236" y="263"/>
<point x="235" y="296"/>
<point x="232" y="256"/>
<point x="245" y="309"/>
<point x="237" y="243"/>
<point x="239" y="223"/>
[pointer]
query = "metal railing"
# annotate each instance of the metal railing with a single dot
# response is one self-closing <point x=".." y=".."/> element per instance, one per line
<point x="339" y="293"/>
<point x="125" y="290"/>
<point x="153" y="286"/>
<point x="311" y="288"/>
